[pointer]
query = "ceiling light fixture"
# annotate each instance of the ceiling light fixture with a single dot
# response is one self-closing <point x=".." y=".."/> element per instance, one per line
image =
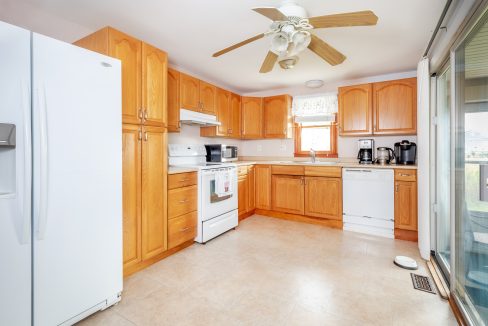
<point x="314" y="83"/>
<point x="288" y="63"/>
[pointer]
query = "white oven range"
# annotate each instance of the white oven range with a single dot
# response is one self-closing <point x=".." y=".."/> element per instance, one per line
<point x="217" y="213"/>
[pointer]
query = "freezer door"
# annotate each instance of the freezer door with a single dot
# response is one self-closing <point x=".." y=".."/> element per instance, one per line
<point x="77" y="181"/>
<point x="15" y="177"/>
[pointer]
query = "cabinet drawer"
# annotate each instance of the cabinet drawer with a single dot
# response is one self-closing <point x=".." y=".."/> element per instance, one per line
<point x="182" y="180"/>
<point x="323" y="171"/>
<point x="405" y="175"/>
<point x="182" y="201"/>
<point x="242" y="170"/>
<point x="182" y="229"/>
<point x="287" y="169"/>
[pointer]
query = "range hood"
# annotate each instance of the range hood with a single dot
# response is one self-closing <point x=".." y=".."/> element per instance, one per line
<point x="198" y="119"/>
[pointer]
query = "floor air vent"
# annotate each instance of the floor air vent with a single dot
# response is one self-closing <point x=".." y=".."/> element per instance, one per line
<point x="423" y="283"/>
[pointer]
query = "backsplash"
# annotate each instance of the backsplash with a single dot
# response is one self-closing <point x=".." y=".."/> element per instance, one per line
<point x="348" y="146"/>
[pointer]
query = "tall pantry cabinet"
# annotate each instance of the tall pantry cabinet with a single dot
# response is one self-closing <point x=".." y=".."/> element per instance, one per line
<point x="144" y="143"/>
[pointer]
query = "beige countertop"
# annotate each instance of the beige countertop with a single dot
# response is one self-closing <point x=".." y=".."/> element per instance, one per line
<point x="176" y="170"/>
<point x="344" y="164"/>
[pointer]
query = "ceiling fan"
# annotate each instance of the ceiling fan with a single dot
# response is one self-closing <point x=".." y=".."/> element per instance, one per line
<point x="290" y="34"/>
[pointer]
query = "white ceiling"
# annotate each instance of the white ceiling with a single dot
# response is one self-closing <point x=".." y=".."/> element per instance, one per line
<point x="191" y="30"/>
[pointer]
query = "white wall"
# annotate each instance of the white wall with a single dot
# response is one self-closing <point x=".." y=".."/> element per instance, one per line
<point x="191" y="135"/>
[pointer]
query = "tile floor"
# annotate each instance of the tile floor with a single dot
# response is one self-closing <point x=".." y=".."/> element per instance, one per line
<point x="276" y="272"/>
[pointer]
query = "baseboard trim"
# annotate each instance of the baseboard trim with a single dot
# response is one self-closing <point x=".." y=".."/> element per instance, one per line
<point x="146" y="263"/>
<point x="336" y="224"/>
<point x="406" y="235"/>
<point x="246" y="215"/>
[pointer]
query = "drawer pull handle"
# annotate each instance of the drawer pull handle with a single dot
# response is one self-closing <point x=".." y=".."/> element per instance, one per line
<point x="185" y="229"/>
<point x="405" y="175"/>
<point x="183" y="201"/>
<point x="183" y="180"/>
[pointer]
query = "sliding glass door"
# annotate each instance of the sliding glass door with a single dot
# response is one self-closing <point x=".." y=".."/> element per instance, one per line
<point x="470" y="275"/>
<point x="443" y="171"/>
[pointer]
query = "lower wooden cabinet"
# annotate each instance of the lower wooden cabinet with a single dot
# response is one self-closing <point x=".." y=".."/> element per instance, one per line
<point x="182" y="208"/>
<point x="246" y="195"/>
<point x="182" y="229"/>
<point x="323" y="197"/>
<point x="287" y="194"/>
<point x="144" y="194"/>
<point x="263" y="186"/>
<point x="406" y="204"/>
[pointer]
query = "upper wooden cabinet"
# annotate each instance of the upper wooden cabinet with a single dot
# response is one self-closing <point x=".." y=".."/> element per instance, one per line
<point x="228" y="114"/>
<point x="173" y="100"/>
<point x="277" y="116"/>
<point x="234" y="130"/>
<point x="189" y="92"/>
<point x="384" y="108"/>
<point x="154" y="85"/>
<point x="355" y="110"/>
<point x="252" y="118"/>
<point x="144" y="73"/>
<point x="207" y="97"/>
<point x="395" y="107"/>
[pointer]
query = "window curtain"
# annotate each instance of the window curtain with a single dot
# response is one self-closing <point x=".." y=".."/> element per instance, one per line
<point x="315" y="108"/>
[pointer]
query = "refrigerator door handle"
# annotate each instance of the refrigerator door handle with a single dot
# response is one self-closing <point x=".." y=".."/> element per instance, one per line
<point x="44" y="165"/>
<point x="26" y="198"/>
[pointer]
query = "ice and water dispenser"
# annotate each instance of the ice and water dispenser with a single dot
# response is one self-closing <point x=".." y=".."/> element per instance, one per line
<point x="7" y="160"/>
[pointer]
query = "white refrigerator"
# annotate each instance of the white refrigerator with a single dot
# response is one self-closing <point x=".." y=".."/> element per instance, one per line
<point x="60" y="180"/>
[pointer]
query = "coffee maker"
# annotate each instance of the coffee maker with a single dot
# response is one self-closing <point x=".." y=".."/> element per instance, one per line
<point x="405" y="152"/>
<point x="365" y="153"/>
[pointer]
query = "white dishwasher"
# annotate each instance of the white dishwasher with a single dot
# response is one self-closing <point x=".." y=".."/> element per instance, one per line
<point x="368" y="201"/>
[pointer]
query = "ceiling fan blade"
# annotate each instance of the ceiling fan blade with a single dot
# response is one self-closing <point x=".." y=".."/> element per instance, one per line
<point x="325" y="51"/>
<point x="238" y="45"/>
<point x="272" y="13"/>
<point x="268" y="62"/>
<point x="359" y="18"/>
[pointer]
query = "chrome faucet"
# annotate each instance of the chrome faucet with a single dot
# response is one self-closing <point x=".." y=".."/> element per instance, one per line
<point x="312" y="155"/>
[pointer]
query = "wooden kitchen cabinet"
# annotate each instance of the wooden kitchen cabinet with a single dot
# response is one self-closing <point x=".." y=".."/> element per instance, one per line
<point x="154" y="187"/>
<point x="173" y="100"/>
<point x="277" y="116"/>
<point x="395" y="107"/>
<point x="144" y="75"/>
<point x="383" y="108"/>
<point x="355" y="110"/>
<point x="223" y="116"/>
<point x="251" y="179"/>
<point x="323" y="197"/>
<point x="287" y="194"/>
<point x="182" y="208"/>
<point x="189" y="92"/>
<point x="154" y="86"/>
<point x="263" y="186"/>
<point x="131" y="194"/>
<point x="252" y="118"/>
<point x="207" y="97"/>
<point x="242" y="195"/>
<point x="235" y="116"/>
<point x="405" y="204"/>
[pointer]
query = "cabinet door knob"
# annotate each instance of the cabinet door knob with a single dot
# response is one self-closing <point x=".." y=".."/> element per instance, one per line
<point x="139" y="114"/>
<point x="145" y="135"/>
<point x="145" y="115"/>
<point x="139" y="134"/>
<point x="396" y="188"/>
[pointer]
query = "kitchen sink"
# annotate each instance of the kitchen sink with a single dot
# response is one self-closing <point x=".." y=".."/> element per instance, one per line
<point x="307" y="162"/>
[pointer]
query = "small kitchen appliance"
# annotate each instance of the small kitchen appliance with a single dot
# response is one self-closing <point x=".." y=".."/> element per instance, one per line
<point x="384" y="155"/>
<point x="221" y="153"/>
<point x="405" y="152"/>
<point x="365" y="153"/>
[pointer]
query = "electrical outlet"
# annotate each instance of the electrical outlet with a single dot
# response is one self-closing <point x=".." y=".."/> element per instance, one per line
<point x="260" y="148"/>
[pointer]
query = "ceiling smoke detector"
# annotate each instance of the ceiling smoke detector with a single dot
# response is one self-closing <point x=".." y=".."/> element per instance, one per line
<point x="288" y="63"/>
<point x="314" y="83"/>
